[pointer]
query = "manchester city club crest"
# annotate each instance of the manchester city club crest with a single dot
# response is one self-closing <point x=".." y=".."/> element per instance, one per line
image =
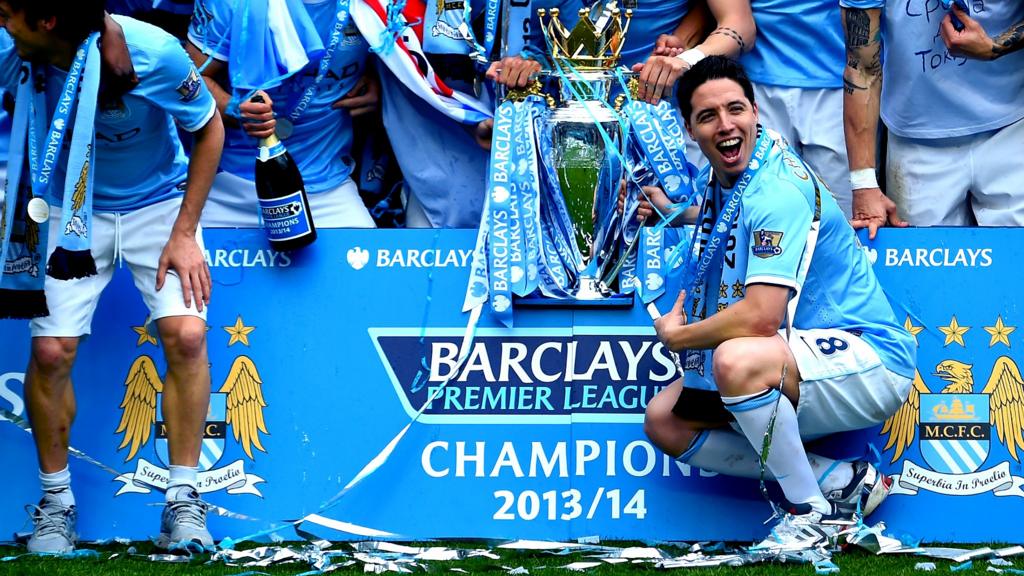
<point x="236" y="411"/>
<point x="957" y="425"/>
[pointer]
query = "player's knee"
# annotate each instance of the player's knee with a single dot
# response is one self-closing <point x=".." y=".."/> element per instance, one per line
<point x="734" y="365"/>
<point x="659" y="421"/>
<point x="185" y="340"/>
<point x="52" y="356"/>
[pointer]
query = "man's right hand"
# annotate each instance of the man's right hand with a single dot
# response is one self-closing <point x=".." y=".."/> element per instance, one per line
<point x="258" y="117"/>
<point x="872" y="210"/>
<point x="513" y="71"/>
<point x="668" y="45"/>
<point x="657" y="76"/>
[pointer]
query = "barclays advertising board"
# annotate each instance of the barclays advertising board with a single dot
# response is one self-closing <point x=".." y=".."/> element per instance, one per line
<point x="320" y="358"/>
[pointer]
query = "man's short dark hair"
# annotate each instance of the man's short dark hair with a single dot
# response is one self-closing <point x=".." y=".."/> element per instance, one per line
<point x="711" y="68"/>
<point x="76" y="19"/>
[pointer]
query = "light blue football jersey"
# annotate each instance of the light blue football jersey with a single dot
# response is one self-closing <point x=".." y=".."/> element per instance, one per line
<point x="322" y="139"/>
<point x="766" y="246"/>
<point x="926" y="92"/>
<point x="139" y="158"/>
<point x="799" y="44"/>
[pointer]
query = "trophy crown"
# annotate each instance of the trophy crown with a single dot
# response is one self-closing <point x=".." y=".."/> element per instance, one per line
<point x="590" y="45"/>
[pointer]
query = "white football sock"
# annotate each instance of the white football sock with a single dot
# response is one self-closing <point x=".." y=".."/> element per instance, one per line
<point x="786" y="456"/>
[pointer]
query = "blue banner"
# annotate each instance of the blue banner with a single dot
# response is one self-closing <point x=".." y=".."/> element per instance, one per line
<point x="337" y="374"/>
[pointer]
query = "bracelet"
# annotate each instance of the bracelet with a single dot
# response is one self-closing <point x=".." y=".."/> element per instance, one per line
<point x="691" y="56"/>
<point x="863" y="178"/>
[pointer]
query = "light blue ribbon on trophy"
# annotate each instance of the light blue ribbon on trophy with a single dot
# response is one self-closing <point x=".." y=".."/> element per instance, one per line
<point x="653" y="137"/>
<point x="650" y="270"/>
<point x="528" y="192"/>
<point x="499" y="192"/>
<point x="516" y="166"/>
<point x="490" y="25"/>
<point x="72" y="258"/>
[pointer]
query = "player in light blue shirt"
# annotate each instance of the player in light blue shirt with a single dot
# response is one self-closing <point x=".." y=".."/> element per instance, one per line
<point x="797" y="70"/>
<point x="953" y="101"/>
<point x="320" y="140"/>
<point x="146" y="206"/>
<point x="773" y="240"/>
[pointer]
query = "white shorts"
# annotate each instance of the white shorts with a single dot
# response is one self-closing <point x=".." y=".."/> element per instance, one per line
<point x="811" y="119"/>
<point x="137" y="238"/>
<point x="844" y="385"/>
<point x="233" y="204"/>
<point x="959" y="181"/>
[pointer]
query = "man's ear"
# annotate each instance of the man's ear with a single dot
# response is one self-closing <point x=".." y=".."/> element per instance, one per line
<point x="753" y="106"/>
<point x="47" y="24"/>
<point x="689" y="130"/>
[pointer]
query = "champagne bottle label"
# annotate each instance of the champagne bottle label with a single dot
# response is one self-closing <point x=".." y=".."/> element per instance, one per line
<point x="284" y="218"/>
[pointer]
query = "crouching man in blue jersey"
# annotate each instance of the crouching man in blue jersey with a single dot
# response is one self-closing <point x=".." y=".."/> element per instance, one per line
<point x="786" y="318"/>
<point x="146" y="198"/>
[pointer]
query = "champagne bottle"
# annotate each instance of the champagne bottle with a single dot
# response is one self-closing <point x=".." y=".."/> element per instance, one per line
<point x="284" y="206"/>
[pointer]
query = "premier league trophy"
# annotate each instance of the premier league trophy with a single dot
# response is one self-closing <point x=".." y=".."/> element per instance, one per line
<point x="583" y="128"/>
<point x="562" y="149"/>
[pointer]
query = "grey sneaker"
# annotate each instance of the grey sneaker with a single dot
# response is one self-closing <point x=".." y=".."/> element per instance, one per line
<point x="183" y="524"/>
<point x="864" y="493"/>
<point x="53" y="529"/>
<point x="802" y="530"/>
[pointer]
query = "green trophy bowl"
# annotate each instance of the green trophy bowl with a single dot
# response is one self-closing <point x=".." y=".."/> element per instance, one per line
<point x="580" y="156"/>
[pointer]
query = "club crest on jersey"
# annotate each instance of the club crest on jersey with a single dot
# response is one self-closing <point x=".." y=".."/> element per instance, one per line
<point x="189" y="87"/>
<point x="236" y="410"/>
<point x="768" y="243"/>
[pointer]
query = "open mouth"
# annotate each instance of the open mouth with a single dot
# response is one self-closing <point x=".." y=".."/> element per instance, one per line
<point x="730" y="149"/>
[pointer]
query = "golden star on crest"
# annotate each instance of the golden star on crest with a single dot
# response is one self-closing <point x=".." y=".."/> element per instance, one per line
<point x="144" y="335"/>
<point x="914" y="330"/>
<point x="954" y="332"/>
<point x="239" y="332"/>
<point x="1000" y="332"/>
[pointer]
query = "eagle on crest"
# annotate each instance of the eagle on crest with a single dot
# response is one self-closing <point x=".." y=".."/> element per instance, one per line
<point x="245" y="404"/>
<point x="1005" y="388"/>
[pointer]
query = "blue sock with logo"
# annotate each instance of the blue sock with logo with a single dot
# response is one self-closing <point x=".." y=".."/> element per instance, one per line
<point x="787" y="459"/>
<point x="182" y="481"/>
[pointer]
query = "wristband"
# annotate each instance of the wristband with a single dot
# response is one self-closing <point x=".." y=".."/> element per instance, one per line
<point x="691" y="56"/>
<point x="863" y="178"/>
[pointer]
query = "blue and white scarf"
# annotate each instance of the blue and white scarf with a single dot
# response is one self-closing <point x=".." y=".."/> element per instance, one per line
<point x="24" y="241"/>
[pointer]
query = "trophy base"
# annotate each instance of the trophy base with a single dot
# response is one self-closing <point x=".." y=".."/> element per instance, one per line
<point x="591" y="294"/>
<point x="612" y="301"/>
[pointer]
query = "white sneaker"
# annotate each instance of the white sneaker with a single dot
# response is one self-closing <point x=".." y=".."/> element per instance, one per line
<point x="183" y="523"/>
<point x="803" y="531"/>
<point x="53" y="530"/>
<point x="864" y="493"/>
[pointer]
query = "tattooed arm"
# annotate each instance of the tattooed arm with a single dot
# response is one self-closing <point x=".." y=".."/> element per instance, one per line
<point x="733" y="36"/>
<point x="974" y="42"/>
<point x="862" y="81"/>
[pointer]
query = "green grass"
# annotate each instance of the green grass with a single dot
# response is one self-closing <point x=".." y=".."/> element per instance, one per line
<point x="853" y="562"/>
